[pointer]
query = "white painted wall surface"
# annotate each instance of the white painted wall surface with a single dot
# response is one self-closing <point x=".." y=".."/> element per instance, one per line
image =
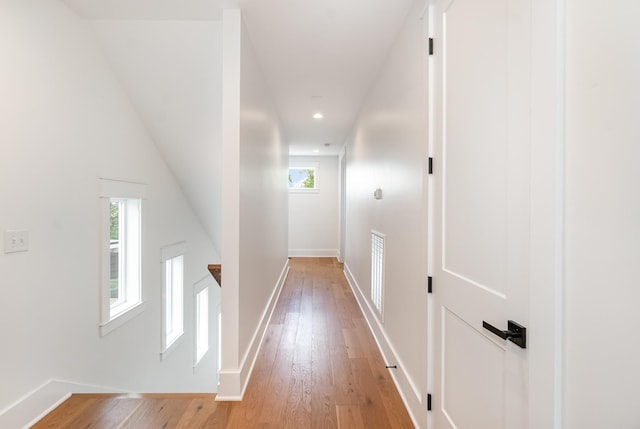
<point x="546" y="247"/>
<point x="313" y="215"/>
<point x="230" y="383"/>
<point x="172" y="73"/>
<point x="255" y="206"/>
<point x="601" y="371"/>
<point x="264" y="158"/>
<point x="388" y="150"/>
<point x="65" y="123"/>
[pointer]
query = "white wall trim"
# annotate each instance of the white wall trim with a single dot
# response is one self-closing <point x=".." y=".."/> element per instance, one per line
<point x="313" y="253"/>
<point x="236" y="381"/>
<point x="33" y="406"/>
<point x="408" y="389"/>
<point x="230" y="199"/>
<point x="121" y="319"/>
<point x="110" y="188"/>
<point x="547" y="289"/>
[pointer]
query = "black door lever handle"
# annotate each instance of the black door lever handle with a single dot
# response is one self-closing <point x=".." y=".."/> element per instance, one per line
<point x="515" y="333"/>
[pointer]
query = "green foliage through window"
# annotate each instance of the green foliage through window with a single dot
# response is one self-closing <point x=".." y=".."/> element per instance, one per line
<point x="310" y="181"/>
<point x="302" y="178"/>
<point x="114" y="227"/>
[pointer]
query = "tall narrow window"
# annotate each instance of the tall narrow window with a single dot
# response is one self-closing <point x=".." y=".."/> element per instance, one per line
<point x="377" y="271"/>
<point x="122" y="246"/>
<point x="202" y="323"/>
<point x="172" y="295"/>
<point x="124" y="254"/>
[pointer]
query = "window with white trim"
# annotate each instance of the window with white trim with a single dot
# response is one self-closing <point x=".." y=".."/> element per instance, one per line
<point x="303" y="176"/>
<point x="121" y="285"/>
<point x="172" y="295"/>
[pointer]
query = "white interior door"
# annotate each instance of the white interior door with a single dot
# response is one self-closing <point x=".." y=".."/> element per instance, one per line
<point x="481" y="216"/>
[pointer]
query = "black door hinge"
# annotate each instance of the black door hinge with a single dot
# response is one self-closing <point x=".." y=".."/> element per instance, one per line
<point x="430" y="46"/>
<point x="428" y="401"/>
<point x="430" y="284"/>
<point x="430" y="165"/>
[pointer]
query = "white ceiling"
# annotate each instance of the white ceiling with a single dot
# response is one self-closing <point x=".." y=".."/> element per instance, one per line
<point x="172" y="74"/>
<point x="153" y="10"/>
<point x="316" y="55"/>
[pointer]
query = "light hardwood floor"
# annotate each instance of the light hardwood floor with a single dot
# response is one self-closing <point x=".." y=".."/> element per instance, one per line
<point x="319" y="367"/>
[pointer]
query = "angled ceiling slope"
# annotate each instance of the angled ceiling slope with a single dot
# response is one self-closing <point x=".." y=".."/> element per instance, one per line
<point x="317" y="56"/>
<point x="171" y="71"/>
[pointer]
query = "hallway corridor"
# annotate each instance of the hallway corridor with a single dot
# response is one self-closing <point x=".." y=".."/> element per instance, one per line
<point x="319" y="367"/>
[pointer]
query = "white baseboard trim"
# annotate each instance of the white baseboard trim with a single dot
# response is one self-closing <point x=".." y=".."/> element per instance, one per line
<point x="233" y="384"/>
<point x="36" y="404"/>
<point x="313" y="253"/>
<point x="408" y="389"/>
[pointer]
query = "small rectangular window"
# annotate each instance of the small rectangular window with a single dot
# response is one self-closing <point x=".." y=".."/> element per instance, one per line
<point x="303" y="177"/>
<point x="121" y="286"/>
<point x="172" y="295"/>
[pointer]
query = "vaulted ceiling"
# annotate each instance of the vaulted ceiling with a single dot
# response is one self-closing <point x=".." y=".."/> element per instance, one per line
<point x="317" y="56"/>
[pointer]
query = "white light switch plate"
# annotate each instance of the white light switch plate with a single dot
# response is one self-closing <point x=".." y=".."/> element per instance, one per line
<point x="16" y="241"/>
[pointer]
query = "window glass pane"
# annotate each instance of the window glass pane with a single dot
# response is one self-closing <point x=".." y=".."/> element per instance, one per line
<point x="173" y="314"/>
<point x="130" y="249"/>
<point x="168" y="303"/>
<point x="176" y="316"/>
<point x="302" y="178"/>
<point x="124" y="254"/>
<point x="115" y="253"/>
<point x="202" y="323"/>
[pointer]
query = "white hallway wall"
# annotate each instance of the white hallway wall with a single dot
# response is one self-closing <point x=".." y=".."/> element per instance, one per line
<point x="388" y="150"/>
<point x="602" y="216"/>
<point x="65" y="123"/>
<point x="313" y="216"/>
<point x="600" y="380"/>
<point x="254" y="207"/>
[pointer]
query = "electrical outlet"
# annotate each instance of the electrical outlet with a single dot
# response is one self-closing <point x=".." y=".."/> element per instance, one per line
<point x="16" y="241"/>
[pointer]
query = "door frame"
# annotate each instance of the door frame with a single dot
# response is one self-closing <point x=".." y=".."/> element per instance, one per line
<point x="545" y="335"/>
<point x="547" y="214"/>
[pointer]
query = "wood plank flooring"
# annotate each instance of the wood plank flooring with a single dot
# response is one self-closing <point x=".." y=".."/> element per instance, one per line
<point x="319" y="367"/>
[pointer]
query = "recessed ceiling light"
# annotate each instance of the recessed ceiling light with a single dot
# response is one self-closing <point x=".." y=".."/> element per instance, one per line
<point x="318" y="116"/>
<point x="316" y="151"/>
<point x="327" y="144"/>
